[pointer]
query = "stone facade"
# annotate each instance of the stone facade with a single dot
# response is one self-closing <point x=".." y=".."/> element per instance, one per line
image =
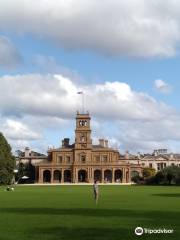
<point x="158" y="160"/>
<point x="83" y="161"/>
<point x="28" y="156"/>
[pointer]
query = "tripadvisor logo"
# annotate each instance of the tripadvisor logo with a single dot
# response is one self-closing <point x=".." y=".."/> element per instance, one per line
<point x="139" y="231"/>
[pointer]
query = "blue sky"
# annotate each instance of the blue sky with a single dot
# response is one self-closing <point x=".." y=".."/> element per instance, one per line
<point x="140" y="74"/>
<point x="127" y="65"/>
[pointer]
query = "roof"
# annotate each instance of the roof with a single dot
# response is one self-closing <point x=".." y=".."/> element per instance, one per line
<point x="32" y="154"/>
<point x="72" y="146"/>
<point x="169" y="156"/>
<point x="32" y="157"/>
<point x="43" y="162"/>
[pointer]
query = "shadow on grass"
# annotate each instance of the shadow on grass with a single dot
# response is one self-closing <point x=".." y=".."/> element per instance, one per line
<point x="98" y="233"/>
<point x="88" y="212"/>
<point x="175" y="195"/>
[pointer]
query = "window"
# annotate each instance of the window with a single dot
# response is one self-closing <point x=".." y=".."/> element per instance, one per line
<point x="160" y="166"/>
<point x="97" y="158"/>
<point x="150" y="165"/>
<point x="59" y="159"/>
<point x="82" y="137"/>
<point x="105" y="158"/>
<point x="83" y="159"/>
<point x="68" y="159"/>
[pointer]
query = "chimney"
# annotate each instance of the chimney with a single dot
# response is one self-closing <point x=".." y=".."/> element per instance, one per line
<point x="171" y="156"/>
<point x="101" y="142"/>
<point x="155" y="153"/>
<point x="127" y="155"/>
<point x="66" y="142"/>
<point x="106" y="143"/>
<point x="27" y="152"/>
<point x="139" y="155"/>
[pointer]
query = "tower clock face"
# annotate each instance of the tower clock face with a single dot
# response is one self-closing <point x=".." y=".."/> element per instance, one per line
<point x="82" y="123"/>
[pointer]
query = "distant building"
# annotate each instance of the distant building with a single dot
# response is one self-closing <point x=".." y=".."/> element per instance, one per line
<point x="158" y="160"/>
<point x="83" y="161"/>
<point x="29" y="156"/>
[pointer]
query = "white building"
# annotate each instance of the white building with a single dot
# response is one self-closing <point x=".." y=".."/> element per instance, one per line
<point x="158" y="160"/>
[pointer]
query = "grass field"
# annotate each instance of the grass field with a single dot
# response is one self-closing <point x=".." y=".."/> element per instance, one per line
<point x="69" y="212"/>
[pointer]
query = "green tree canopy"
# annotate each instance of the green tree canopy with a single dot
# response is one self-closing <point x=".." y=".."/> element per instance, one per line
<point x="7" y="161"/>
<point x="171" y="174"/>
<point x="148" y="172"/>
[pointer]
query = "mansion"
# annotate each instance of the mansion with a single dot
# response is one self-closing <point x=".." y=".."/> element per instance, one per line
<point x="84" y="162"/>
<point x="158" y="160"/>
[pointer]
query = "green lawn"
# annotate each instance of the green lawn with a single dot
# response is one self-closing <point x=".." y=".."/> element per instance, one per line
<point x="69" y="212"/>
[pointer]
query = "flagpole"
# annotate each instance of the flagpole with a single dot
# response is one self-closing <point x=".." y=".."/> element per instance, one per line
<point x="82" y="104"/>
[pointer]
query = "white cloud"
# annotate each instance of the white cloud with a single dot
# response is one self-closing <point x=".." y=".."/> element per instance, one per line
<point x="9" y="55"/>
<point x="56" y="96"/>
<point x="124" y="103"/>
<point x="135" y="28"/>
<point x="162" y="86"/>
<point x="149" y="135"/>
<point x="18" y="131"/>
<point x="33" y="104"/>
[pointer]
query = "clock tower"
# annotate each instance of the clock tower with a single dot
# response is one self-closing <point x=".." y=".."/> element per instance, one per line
<point x="83" y="131"/>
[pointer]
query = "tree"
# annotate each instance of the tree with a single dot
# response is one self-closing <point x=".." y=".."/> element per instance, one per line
<point x="171" y="174"/>
<point x="20" y="173"/>
<point x="7" y="161"/>
<point x="148" y="172"/>
<point x="137" y="179"/>
<point x="25" y="169"/>
<point x="159" y="177"/>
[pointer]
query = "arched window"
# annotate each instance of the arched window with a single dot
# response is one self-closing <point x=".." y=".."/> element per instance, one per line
<point x="46" y="176"/>
<point x="67" y="176"/>
<point x="82" y="176"/>
<point x="97" y="175"/>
